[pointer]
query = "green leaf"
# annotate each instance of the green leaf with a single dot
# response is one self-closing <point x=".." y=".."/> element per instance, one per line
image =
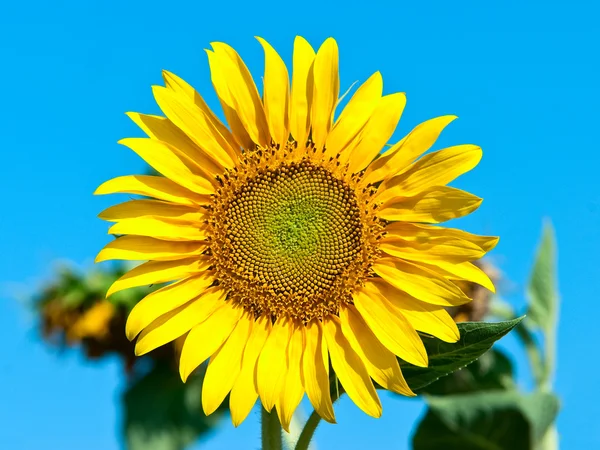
<point x="492" y="371"/>
<point x="486" y="420"/>
<point x="542" y="291"/>
<point x="163" y="413"/>
<point x="476" y="338"/>
<point x="543" y="308"/>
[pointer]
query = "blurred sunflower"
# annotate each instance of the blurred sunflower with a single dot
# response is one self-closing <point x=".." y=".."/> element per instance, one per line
<point x="290" y="240"/>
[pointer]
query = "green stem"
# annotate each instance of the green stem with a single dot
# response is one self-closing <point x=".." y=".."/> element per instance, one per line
<point x="313" y="422"/>
<point x="549" y="354"/>
<point x="533" y="352"/>
<point x="550" y="439"/>
<point x="504" y="311"/>
<point x="308" y="431"/>
<point x="270" y="430"/>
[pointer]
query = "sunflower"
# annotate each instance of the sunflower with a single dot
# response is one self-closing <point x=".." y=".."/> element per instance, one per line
<point x="288" y="241"/>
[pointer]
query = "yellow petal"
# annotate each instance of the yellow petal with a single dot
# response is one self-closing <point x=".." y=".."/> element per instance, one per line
<point x="378" y="131"/>
<point x="302" y="91"/>
<point x="292" y="391"/>
<point x="435" y="169"/>
<point x="244" y="393"/>
<point x="430" y="319"/>
<point x="461" y="271"/>
<point x="178" y="85"/>
<point x="272" y="364"/>
<point x="196" y="125"/>
<point x="141" y="248"/>
<point x="355" y="115"/>
<point x="437" y="248"/>
<point x="422" y="233"/>
<point x="315" y="371"/>
<point x="224" y="366"/>
<point x="434" y="205"/>
<point x="157" y="272"/>
<point x="419" y="282"/>
<point x="142" y="208"/>
<point x="246" y="101"/>
<point x="417" y="142"/>
<point x="162" y="129"/>
<point x="276" y="94"/>
<point x="391" y="328"/>
<point x="350" y="369"/>
<point x="152" y="186"/>
<point x="170" y="162"/>
<point x="326" y="90"/>
<point x="381" y="364"/>
<point x="172" y="230"/>
<point x="206" y="337"/>
<point x="220" y="84"/>
<point x="179" y="321"/>
<point x="167" y="299"/>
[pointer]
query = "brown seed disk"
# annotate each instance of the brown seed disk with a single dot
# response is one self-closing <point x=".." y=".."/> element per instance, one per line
<point x="291" y="238"/>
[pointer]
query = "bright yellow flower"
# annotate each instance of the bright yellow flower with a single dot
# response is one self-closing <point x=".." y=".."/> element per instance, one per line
<point x="292" y="242"/>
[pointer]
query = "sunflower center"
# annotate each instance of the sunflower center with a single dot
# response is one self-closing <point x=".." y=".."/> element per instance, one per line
<point x="294" y="228"/>
<point x="288" y="240"/>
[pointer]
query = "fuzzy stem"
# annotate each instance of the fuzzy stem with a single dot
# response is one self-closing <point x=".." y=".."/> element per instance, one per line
<point x="270" y="430"/>
<point x="308" y="431"/>
<point x="313" y="421"/>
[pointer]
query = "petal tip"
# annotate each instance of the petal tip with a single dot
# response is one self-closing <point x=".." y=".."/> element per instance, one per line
<point x="493" y="242"/>
<point x="158" y="90"/>
<point x="455" y="336"/>
<point x="139" y="350"/>
<point x="184" y="372"/>
<point x="113" y="289"/>
<point x="208" y="405"/>
<point x="237" y="421"/>
<point x="132" y="329"/>
<point x="376" y="413"/>
<point x="285" y="424"/>
<point x="125" y="141"/>
<point x="114" y="229"/>
<point x="329" y="417"/>
<point x="423" y="361"/>
<point x="100" y="257"/>
<point x="330" y="41"/>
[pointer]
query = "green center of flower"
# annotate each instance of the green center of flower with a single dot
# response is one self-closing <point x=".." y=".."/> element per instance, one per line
<point x="292" y="229"/>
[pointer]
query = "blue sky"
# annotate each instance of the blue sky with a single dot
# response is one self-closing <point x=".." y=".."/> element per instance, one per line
<point x="522" y="79"/>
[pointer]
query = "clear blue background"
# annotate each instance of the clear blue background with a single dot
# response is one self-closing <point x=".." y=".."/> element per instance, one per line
<point x="522" y="77"/>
